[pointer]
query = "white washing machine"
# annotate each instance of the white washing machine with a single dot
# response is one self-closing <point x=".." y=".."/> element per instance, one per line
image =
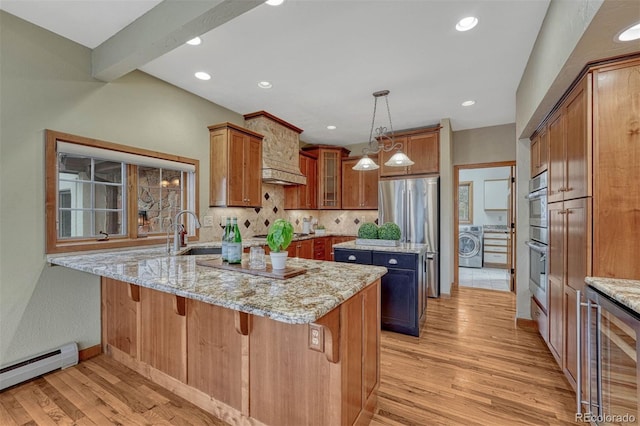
<point x="470" y="246"/>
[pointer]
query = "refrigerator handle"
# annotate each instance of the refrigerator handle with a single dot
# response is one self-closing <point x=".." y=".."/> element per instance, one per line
<point x="407" y="223"/>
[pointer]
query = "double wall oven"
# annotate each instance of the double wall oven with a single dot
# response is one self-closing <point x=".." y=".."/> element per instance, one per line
<point x="538" y="240"/>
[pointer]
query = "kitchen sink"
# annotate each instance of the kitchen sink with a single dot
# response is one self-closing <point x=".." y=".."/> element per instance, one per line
<point x="194" y="251"/>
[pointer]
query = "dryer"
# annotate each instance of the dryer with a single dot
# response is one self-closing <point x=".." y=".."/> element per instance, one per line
<point x="470" y="246"/>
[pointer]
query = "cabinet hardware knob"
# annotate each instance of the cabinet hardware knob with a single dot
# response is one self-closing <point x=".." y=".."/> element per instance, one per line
<point x="351" y="257"/>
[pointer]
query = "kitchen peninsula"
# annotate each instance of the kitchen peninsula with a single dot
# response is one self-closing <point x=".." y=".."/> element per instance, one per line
<point x="248" y="349"/>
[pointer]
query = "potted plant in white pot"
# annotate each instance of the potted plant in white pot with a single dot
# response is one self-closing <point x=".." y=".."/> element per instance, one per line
<point x="278" y="238"/>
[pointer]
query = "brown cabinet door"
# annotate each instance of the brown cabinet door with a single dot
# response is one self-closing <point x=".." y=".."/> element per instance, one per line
<point x="543" y="151"/>
<point x="291" y="196"/>
<point x="557" y="158"/>
<point x="616" y="190"/>
<point x="424" y="151"/>
<point x="252" y="172"/>
<point x="305" y="249"/>
<point x="303" y="190"/>
<point x="235" y="169"/>
<point x="578" y="242"/>
<point x="351" y="193"/>
<point x="369" y="189"/>
<point x="120" y="312"/>
<point x="311" y="193"/>
<point x="385" y="156"/>
<point x="578" y="143"/>
<point x="329" y="179"/>
<point x="535" y="155"/>
<point x="555" y="259"/>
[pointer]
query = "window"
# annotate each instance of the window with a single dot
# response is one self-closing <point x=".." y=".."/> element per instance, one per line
<point x="101" y="194"/>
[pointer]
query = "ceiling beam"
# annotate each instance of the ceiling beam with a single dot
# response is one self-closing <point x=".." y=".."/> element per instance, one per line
<point x="160" y="30"/>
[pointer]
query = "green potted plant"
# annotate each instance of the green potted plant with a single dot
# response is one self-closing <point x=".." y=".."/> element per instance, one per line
<point x="320" y="230"/>
<point x="278" y="238"/>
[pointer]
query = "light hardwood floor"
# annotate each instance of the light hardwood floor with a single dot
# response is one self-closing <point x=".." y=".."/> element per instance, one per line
<point x="470" y="366"/>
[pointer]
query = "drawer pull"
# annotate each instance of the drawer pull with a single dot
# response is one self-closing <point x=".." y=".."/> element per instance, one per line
<point x="393" y="262"/>
<point x="351" y="257"/>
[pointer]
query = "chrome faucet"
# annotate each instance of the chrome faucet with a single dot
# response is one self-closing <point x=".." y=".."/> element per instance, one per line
<point x="176" y="238"/>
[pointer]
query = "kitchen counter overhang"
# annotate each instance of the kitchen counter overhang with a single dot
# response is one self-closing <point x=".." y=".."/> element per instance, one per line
<point x="299" y="300"/>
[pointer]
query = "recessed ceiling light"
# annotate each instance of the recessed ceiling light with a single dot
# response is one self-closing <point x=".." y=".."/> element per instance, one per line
<point x="195" y="41"/>
<point x="202" y="75"/>
<point x="331" y="127"/>
<point x="465" y="24"/>
<point x="265" y="85"/>
<point x="468" y="103"/>
<point x="631" y="33"/>
<point x="274" y="2"/>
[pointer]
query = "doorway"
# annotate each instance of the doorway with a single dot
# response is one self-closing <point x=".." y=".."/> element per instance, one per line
<point x="484" y="223"/>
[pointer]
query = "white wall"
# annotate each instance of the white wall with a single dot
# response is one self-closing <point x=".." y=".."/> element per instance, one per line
<point x="478" y="176"/>
<point x="46" y="84"/>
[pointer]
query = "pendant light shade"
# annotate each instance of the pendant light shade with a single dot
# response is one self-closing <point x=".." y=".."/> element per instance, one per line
<point x="399" y="159"/>
<point x="383" y="142"/>
<point x="366" y="163"/>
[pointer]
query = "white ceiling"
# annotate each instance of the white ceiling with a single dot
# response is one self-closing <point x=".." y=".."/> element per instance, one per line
<point x="326" y="58"/>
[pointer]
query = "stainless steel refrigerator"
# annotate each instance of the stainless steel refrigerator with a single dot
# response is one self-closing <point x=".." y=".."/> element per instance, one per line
<point x="413" y="204"/>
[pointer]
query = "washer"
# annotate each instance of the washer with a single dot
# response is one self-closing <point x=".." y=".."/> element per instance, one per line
<point x="470" y="246"/>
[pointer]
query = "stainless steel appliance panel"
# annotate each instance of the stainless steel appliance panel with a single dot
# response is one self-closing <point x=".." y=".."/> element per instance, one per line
<point x="392" y="203"/>
<point x="538" y="272"/>
<point x="433" y="275"/>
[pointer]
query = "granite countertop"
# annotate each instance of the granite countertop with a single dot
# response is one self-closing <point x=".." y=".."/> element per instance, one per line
<point x="402" y="248"/>
<point x="625" y="292"/>
<point x="299" y="300"/>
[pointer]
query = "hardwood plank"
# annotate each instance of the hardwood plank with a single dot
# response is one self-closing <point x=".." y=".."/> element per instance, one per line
<point x="5" y="416"/>
<point x="65" y="405"/>
<point x="13" y="407"/>
<point x="42" y="409"/>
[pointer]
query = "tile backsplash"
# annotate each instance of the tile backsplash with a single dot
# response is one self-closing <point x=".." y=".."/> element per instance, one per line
<point x="254" y="221"/>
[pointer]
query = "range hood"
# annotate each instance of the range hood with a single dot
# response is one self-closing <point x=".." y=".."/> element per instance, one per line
<point x="280" y="148"/>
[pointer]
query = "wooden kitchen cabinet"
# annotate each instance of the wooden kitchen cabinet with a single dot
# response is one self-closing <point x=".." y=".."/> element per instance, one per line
<point x="301" y="248"/>
<point x="329" y="174"/>
<point x="539" y="152"/>
<point x="616" y="206"/>
<point x="235" y="166"/>
<point x="422" y="146"/>
<point x="304" y="196"/>
<point x="570" y="147"/>
<point x="335" y="240"/>
<point x="320" y="248"/>
<point x="120" y="305"/>
<point x="359" y="187"/>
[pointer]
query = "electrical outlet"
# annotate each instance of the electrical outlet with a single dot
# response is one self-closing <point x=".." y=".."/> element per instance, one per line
<point x="316" y="337"/>
<point x="207" y="221"/>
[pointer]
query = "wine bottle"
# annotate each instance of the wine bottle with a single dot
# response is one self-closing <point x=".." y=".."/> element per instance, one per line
<point x="225" y="240"/>
<point x="235" y="243"/>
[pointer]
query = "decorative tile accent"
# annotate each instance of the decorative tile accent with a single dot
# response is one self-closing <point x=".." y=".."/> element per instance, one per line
<point x="247" y="223"/>
<point x="266" y="222"/>
<point x="275" y="210"/>
<point x="257" y="209"/>
<point x="337" y="221"/>
<point x="266" y="195"/>
<point x="356" y="221"/>
<point x="297" y="221"/>
<point x="376" y="222"/>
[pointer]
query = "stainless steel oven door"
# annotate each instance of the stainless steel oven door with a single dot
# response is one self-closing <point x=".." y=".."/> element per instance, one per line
<point x="538" y="208"/>
<point x="538" y="278"/>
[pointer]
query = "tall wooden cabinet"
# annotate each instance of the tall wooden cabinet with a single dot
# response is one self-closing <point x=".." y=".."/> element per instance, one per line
<point x="539" y="151"/>
<point x="594" y="198"/>
<point x="235" y="166"/>
<point x="617" y="170"/>
<point x="329" y="174"/>
<point x="422" y="146"/>
<point x="359" y="188"/>
<point x="304" y="196"/>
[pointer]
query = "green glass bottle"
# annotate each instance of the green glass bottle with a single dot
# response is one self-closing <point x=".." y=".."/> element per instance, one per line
<point x="234" y="249"/>
<point x="225" y="240"/>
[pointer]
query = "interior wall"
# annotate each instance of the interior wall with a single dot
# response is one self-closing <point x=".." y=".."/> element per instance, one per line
<point x="46" y="83"/>
<point x="446" y="208"/>
<point x="485" y="145"/>
<point x="478" y="176"/>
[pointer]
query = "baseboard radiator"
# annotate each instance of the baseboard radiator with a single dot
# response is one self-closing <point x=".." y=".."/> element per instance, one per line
<point x="62" y="357"/>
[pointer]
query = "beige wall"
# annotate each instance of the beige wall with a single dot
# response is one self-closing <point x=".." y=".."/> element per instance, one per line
<point x="46" y="84"/>
<point x="485" y="145"/>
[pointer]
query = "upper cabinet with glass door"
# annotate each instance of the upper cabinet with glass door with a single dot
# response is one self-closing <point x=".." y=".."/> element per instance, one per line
<point x="329" y="174"/>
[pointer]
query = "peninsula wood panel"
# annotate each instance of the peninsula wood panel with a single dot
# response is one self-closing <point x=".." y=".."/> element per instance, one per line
<point x="371" y="345"/>
<point x="290" y="384"/>
<point x="119" y="316"/>
<point x="163" y="334"/>
<point x="617" y="158"/>
<point x="214" y="352"/>
<point x="352" y="358"/>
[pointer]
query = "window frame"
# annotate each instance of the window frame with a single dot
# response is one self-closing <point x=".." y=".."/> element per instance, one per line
<point x="130" y="236"/>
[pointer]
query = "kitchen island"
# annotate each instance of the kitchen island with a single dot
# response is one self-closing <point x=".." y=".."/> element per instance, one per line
<point x="249" y="349"/>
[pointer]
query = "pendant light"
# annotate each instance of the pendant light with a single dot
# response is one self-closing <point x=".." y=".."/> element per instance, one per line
<point x="382" y="142"/>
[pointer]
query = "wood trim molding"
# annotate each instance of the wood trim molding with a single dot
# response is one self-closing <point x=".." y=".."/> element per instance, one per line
<point x="226" y="125"/>
<point x="90" y="352"/>
<point x="134" y="292"/>
<point x="526" y="323"/>
<point x="274" y="118"/>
